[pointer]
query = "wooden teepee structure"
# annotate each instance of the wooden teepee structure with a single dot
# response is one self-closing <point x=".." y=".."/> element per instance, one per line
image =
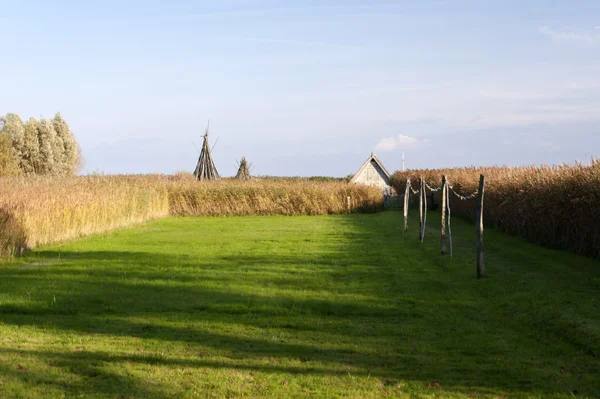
<point x="244" y="170"/>
<point x="206" y="169"/>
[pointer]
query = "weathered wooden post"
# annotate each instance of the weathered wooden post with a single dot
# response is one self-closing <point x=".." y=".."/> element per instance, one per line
<point x="424" y="195"/>
<point x="443" y="214"/>
<point x="406" y="199"/>
<point x="420" y="207"/>
<point x="348" y="204"/>
<point x="480" y="265"/>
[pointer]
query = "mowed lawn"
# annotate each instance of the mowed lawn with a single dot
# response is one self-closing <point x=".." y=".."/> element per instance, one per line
<point x="334" y="306"/>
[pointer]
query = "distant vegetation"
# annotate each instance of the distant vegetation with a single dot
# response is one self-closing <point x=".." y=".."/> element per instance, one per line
<point x="309" y="178"/>
<point x="271" y="197"/>
<point x="40" y="210"/>
<point x="37" y="147"/>
<point x="555" y="206"/>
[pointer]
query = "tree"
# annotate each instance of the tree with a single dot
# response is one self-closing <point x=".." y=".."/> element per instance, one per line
<point x="9" y="166"/>
<point x="58" y="151"/>
<point x="42" y="147"/>
<point x="13" y="126"/>
<point x="31" y="147"/>
<point x="71" y="153"/>
<point x="47" y="139"/>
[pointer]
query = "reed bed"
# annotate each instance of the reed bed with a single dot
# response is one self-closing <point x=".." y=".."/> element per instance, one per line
<point x="36" y="211"/>
<point x="554" y="206"/>
<point x="270" y="197"/>
<point x="41" y="210"/>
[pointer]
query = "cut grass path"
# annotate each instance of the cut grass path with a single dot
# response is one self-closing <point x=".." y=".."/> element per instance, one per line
<point x="334" y="306"/>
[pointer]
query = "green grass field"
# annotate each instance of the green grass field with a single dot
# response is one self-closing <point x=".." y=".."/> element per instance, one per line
<point x="332" y="306"/>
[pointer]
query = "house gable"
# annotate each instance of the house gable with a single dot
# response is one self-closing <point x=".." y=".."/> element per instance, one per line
<point x="373" y="173"/>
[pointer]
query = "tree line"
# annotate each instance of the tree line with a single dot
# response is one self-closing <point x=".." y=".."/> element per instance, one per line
<point x="37" y="147"/>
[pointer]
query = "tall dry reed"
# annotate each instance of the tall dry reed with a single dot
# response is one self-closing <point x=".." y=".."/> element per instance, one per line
<point x="41" y="210"/>
<point x="37" y="210"/>
<point x="554" y="206"/>
<point x="270" y="197"/>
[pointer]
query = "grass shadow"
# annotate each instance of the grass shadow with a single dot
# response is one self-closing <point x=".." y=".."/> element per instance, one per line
<point x="353" y="295"/>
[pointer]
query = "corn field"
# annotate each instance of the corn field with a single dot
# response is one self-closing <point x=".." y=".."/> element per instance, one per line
<point x="554" y="206"/>
<point x="41" y="210"/>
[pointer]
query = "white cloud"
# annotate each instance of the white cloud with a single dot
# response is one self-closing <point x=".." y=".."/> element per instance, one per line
<point x="388" y="144"/>
<point x="401" y="142"/>
<point x="591" y="37"/>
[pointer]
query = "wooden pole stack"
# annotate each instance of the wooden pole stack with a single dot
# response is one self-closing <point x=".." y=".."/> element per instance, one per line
<point x="205" y="168"/>
<point x="243" y="172"/>
<point x="480" y="264"/>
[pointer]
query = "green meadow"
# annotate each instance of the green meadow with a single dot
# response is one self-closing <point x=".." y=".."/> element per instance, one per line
<point x="320" y="306"/>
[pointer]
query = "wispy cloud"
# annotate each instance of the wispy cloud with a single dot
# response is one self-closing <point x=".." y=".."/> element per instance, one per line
<point x="589" y="37"/>
<point x="400" y="142"/>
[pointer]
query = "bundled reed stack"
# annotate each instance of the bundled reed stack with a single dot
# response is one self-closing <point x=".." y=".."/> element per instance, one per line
<point x="206" y="169"/>
<point x="244" y="170"/>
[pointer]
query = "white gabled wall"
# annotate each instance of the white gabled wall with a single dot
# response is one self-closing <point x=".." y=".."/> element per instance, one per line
<point x="372" y="175"/>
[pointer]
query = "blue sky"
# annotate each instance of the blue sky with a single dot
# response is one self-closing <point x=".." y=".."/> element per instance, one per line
<point x="309" y="87"/>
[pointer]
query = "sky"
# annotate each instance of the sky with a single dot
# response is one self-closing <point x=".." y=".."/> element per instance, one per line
<point x="308" y="87"/>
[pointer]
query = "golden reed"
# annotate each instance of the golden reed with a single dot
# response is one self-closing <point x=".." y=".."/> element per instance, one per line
<point x="554" y="206"/>
<point x="36" y="210"/>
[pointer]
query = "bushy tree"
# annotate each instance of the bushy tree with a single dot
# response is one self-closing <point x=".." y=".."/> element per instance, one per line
<point x="47" y="139"/>
<point x="71" y="153"/>
<point x="31" y="147"/>
<point x="14" y="128"/>
<point x="9" y="165"/>
<point x="45" y="147"/>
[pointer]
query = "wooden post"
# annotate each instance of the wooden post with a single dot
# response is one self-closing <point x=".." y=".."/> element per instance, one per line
<point x="424" y="194"/>
<point x="443" y="191"/>
<point x="348" y="200"/>
<point x="406" y="199"/>
<point x="420" y="207"/>
<point x="480" y="265"/>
